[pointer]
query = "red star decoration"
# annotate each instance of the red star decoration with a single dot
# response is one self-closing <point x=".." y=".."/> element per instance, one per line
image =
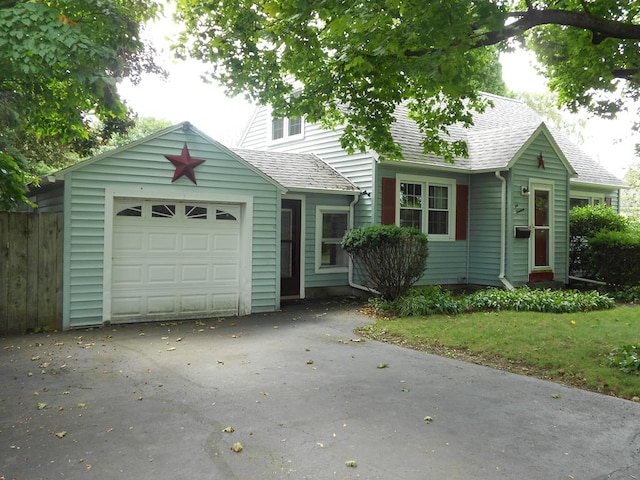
<point x="184" y="165"/>
<point x="540" y="161"/>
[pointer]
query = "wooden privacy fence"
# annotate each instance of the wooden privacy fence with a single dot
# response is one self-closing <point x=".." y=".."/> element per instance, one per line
<point x="31" y="250"/>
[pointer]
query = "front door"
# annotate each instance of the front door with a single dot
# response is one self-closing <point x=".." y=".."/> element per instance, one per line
<point x="290" y="248"/>
<point x="542" y="238"/>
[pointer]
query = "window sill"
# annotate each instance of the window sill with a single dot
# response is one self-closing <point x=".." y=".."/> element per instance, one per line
<point x="323" y="270"/>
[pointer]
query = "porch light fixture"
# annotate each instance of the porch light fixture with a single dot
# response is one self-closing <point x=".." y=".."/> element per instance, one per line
<point x="524" y="191"/>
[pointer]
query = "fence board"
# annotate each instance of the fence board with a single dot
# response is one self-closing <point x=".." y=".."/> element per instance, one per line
<point x="31" y="249"/>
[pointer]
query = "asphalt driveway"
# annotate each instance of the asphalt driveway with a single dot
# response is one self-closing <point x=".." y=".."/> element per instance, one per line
<point x="302" y="395"/>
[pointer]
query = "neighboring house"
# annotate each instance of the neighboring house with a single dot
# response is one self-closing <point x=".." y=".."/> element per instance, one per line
<point x="177" y="226"/>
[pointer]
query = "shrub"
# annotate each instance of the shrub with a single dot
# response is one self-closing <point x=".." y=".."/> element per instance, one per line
<point x="626" y="359"/>
<point x="429" y="301"/>
<point x="584" y="223"/>
<point x="434" y="300"/>
<point x="616" y="257"/>
<point x="393" y="258"/>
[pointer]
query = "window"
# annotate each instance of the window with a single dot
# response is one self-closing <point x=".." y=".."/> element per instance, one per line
<point x="428" y="205"/>
<point x="331" y="225"/>
<point x="283" y="128"/>
<point x="582" y="199"/>
<point x="163" y="211"/>
<point x="133" y="211"/>
<point x="195" y="212"/>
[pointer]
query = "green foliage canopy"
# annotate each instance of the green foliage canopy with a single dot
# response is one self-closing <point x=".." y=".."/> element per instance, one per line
<point x="59" y="63"/>
<point x="354" y="62"/>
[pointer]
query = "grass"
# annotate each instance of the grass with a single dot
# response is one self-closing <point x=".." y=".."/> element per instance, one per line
<point x="570" y="348"/>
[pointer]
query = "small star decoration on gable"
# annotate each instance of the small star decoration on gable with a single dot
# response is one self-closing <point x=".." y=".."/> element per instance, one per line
<point x="541" y="161"/>
<point x="184" y="164"/>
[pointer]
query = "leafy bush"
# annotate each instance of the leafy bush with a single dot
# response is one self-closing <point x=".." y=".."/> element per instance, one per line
<point x="526" y="299"/>
<point x="628" y="295"/>
<point x="626" y="359"/>
<point x="434" y="300"/>
<point x="584" y="223"/>
<point x="393" y="258"/>
<point x="616" y="257"/>
<point x="429" y="301"/>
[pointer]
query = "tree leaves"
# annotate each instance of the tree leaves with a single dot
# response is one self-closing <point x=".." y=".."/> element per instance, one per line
<point x="354" y="63"/>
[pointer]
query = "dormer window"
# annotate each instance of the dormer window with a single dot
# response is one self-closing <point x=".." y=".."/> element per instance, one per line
<point x="283" y="128"/>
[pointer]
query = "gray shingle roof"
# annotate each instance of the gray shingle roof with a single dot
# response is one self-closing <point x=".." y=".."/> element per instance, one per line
<point x="297" y="171"/>
<point x="495" y="138"/>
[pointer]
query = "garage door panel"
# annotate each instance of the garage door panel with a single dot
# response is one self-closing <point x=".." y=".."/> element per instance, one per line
<point x="175" y="267"/>
<point x="161" y="304"/>
<point x="128" y="242"/>
<point x="162" y="274"/>
<point x="128" y="307"/>
<point x="163" y="242"/>
<point x="196" y="243"/>
<point x="194" y="303"/>
<point x="195" y="273"/>
<point x="226" y="243"/>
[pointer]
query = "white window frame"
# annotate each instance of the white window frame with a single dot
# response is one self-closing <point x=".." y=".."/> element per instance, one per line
<point x="593" y="199"/>
<point x="426" y="182"/>
<point x="285" y="127"/>
<point x="320" y="211"/>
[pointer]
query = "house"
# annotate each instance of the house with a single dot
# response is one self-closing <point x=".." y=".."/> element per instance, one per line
<point x="177" y="226"/>
<point x="498" y="217"/>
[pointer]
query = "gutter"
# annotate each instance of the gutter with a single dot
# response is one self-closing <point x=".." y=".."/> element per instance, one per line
<point x="503" y="231"/>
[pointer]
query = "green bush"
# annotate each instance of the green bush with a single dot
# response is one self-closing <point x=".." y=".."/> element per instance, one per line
<point x="434" y="300"/>
<point x="584" y="223"/>
<point x="626" y="359"/>
<point x="393" y="258"/>
<point x="526" y="299"/>
<point x="616" y="257"/>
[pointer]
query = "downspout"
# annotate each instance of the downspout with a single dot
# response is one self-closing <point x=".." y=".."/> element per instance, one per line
<point x="503" y="231"/>
<point x="352" y="283"/>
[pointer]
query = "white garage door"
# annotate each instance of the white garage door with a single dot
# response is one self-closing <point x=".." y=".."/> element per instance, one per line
<point x="174" y="260"/>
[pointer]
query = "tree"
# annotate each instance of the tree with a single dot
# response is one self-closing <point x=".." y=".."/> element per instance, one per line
<point x="141" y="128"/>
<point x="60" y="60"/>
<point x="630" y="197"/>
<point x="353" y="62"/>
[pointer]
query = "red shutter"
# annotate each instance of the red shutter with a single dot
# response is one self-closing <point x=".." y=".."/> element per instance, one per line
<point x="388" y="201"/>
<point x="462" y="211"/>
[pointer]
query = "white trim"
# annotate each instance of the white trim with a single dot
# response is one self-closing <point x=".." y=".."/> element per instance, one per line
<point x="320" y="211"/>
<point x="246" y="235"/>
<point x="426" y="182"/>
<point x="303" y="240"/>
<point x="546" y="185"/>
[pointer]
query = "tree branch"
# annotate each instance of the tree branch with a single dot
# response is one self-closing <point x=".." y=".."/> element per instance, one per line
<point x="600" y="27"/>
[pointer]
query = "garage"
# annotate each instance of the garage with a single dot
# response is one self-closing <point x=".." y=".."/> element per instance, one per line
<point x="174" y="259"/>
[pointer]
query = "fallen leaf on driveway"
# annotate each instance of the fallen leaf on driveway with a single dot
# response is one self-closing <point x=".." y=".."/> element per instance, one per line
<point x="228" y="429"/>
<point x="42" y="406"/>
<point x="383" y="365"/>
<point x="61" y="434"/>
<point x="351" y="463"/>
<point x="428" y="419"/>
<point x="171" y="349"/>
<point x="236" y="447"/>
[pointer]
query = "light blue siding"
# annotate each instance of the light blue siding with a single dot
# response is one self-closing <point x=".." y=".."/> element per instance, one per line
<point x="447" y="261"/>
<point x="312" y="278"/>
<point x="144" y="167"/>
<point x="554" y="172"/>
<point x="484" y="229"/>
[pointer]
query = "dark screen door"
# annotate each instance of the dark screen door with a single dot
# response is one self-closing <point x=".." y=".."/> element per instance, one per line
<point x="290" y="248"/>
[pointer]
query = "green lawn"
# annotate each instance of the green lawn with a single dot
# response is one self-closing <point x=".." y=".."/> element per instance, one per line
<point x="567" y="348"/>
